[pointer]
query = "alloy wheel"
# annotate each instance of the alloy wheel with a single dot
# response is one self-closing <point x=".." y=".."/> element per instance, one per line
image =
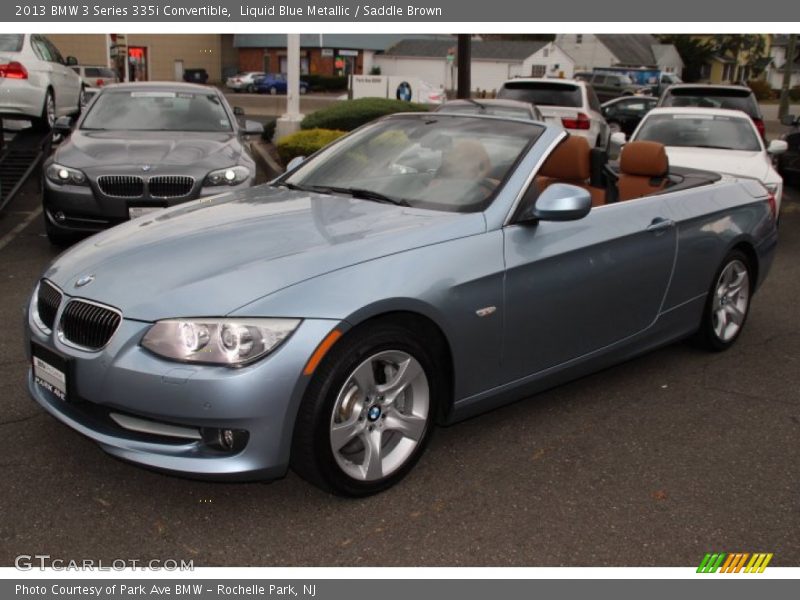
<point x="731" y="300"/>
<point x="380" y="415"/>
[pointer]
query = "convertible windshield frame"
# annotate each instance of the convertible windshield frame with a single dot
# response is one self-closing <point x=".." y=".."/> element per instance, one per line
<point x="299" y="177"/>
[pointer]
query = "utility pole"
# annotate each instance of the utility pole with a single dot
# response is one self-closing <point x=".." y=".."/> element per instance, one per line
<point x="289" y="122"/>
<point x="783" y="109"/>
<point x="464" y="65"/>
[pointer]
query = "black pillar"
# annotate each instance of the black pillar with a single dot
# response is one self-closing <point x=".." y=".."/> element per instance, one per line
<point x="464" y="65"/>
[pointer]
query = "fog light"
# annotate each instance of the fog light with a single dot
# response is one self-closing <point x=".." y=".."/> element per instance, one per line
<point x="226" y="439"/>
<point x="60" y="217"/>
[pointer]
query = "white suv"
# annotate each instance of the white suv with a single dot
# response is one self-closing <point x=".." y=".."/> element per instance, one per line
<point x="36" y="82"/>
<point x="566" y="102"/>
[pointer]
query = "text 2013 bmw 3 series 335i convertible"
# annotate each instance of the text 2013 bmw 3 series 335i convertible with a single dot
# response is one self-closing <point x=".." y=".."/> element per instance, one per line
<point x="421" y="270"/>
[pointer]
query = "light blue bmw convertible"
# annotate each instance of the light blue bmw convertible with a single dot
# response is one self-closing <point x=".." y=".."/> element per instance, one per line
<point x="425" y="268"/>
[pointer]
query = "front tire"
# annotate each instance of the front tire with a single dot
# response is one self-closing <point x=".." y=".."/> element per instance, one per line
<point x="273" y="90"/>
<point x="369" y="411"/>
<point x="728" y="303"/>
<point x="48" y="117"/>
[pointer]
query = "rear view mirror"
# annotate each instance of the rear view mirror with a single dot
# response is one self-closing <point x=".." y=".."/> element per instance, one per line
<point x="777" y="147"/>
<point x="72" y="61"/>
<point x="562" y="202"/>
<point x="63" y="126"/>
<point x="295" y="162"/>
<point x="619" y="138"/>
<point x="789" y="120"/>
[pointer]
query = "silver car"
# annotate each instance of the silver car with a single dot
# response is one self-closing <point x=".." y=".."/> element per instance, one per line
<point x="244" y="82"/>
<point x="421" y="270"/>
<point x="36" y="82"/>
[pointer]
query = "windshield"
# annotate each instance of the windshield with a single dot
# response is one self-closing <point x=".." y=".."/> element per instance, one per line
<point x="702" y="131"/>
<point x="129" y="110"/>
<point x="542" y="93"/>
<point x="442" y="162"/>
<point x="728" y="98"/>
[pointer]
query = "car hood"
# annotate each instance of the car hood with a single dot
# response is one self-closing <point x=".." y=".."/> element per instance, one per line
<point x="97" y="150"/>
<point x="212" y="256"/>
<point x="733" y="162"/>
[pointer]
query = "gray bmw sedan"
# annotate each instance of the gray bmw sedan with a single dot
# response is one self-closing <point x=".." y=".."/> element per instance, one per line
<point x="140" y="147"/>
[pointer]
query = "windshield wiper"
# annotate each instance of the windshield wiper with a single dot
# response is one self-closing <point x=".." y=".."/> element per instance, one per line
<point x="361" y="194"/>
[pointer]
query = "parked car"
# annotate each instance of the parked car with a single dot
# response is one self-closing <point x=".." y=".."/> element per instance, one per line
<point x="789" y="161"/>
<point x="500" y="108"/>
<point x="275" y="83"/>
<point x="140" y="147"/>
<point x="195" y="76"/>
<point x="569" y="103"/>
<point x="625" y="113"/>
<point x="724" y="141"/>
<point x="733" y="97"/>
<point x="331" y="319"/>
<point x="244" y="82"/>
<point x="37" y="82"/>
<point x="95" y="76"/>
<point x="608" y="86"/>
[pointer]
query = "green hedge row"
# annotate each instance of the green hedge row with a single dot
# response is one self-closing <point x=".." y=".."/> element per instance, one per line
<point x="351" y="114"/>
<point x="305" y="142"/>
<point x="325" y="83"/>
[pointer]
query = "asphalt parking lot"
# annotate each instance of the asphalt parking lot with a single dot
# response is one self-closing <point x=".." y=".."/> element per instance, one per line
<point x="651" y="463"/>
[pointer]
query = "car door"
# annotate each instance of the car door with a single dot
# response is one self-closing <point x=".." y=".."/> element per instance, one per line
<point x="576" y="287"/>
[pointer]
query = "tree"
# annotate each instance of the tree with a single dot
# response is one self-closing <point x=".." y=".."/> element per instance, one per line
<point x="744" y="48"/>
<point x="695" y="53"/>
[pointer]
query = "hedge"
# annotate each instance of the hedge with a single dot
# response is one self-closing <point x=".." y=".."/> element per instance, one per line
<point x="350" y="114"/>
<point x="269" y="130"/>
<point x="325" y="83"/>
<point x="305" y="143"/>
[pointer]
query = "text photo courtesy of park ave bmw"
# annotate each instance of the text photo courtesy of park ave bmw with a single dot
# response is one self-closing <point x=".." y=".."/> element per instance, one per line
<point x="324" y="303"/>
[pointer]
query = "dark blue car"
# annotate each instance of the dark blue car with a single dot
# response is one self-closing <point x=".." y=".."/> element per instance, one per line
<point x="275" y="83"/>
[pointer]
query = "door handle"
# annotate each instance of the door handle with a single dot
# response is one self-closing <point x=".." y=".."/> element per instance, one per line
<point x="660" y="224"/>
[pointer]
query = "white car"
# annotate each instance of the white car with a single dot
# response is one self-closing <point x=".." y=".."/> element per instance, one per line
<point x="36" y="82"/>
<point x="566" y="102"/>
<point x="245" y="81"/>
<point x="713" y="139"/>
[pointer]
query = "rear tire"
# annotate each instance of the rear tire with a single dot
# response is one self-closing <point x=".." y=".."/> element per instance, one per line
<point x="727" y="305"/>
<point x="374" y="397"/>
<point x="273" y="90"/>
<point x="250" y="88"/>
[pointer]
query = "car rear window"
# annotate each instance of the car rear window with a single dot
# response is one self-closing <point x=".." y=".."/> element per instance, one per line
<point x="542" y="93"/>
<point x="10" y="42"/>
<point x="98" y="72"/>
<point x="732" y="98"/>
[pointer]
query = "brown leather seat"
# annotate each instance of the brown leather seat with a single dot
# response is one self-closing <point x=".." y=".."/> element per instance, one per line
<point x="570" y="163"/>
<point x="643" y="170"/>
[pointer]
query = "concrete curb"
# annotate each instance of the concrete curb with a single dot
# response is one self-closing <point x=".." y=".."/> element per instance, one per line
<point x="262" y="155"/>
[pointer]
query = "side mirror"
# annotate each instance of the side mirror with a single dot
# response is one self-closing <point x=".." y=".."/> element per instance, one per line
<point x="72" y="61"/>
<point x="777" y="147"/>
<point x="238" y="111"/>
<point x="63" y="126"/>
<point x="295" y="162"/>
<point x="618" y="138"/>
<point x="562" y="202"/>
<point x="789" y="120"/>
<point x="252" y="128"/>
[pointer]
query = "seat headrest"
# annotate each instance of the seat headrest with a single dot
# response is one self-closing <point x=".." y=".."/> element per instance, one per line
<point x="570" y="160"/>
<point x="644" y="159"/>
<point x="465" y="159"/>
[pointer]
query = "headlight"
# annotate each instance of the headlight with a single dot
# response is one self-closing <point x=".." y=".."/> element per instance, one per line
<point x="60" y="174"/>
<point x="231" y="342"/>
<point x="229" y="176"/>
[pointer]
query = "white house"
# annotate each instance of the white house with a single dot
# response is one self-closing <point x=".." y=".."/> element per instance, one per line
<point x="591" y="51"/>
<point x="777" y="55"/>
<point x="493" y="61"/>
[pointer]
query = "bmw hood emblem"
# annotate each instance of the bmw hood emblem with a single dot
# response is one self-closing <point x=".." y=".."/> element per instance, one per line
<point x="85" y="280"/>
<point x="146" y="168"/>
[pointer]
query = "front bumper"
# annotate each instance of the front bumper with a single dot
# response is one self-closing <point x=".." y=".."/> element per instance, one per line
<point x="84" y="209"/>
<point x="124" y="378"/>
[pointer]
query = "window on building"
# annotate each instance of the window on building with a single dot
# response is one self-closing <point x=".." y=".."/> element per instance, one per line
<point x="579" y="38"/>
<point x="546" y="52"/>
<point x="538" y="70"/>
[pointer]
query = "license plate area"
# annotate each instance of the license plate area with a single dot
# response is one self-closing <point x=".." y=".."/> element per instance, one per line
<point x="50" y="372"/>
<point x="135" y="212"/>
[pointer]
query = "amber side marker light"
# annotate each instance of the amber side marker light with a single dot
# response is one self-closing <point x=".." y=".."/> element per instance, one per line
<point x="321" y="351"/>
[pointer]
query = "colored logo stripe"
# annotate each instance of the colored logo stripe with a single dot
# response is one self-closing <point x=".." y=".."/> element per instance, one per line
<point x="734" y="562"/>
